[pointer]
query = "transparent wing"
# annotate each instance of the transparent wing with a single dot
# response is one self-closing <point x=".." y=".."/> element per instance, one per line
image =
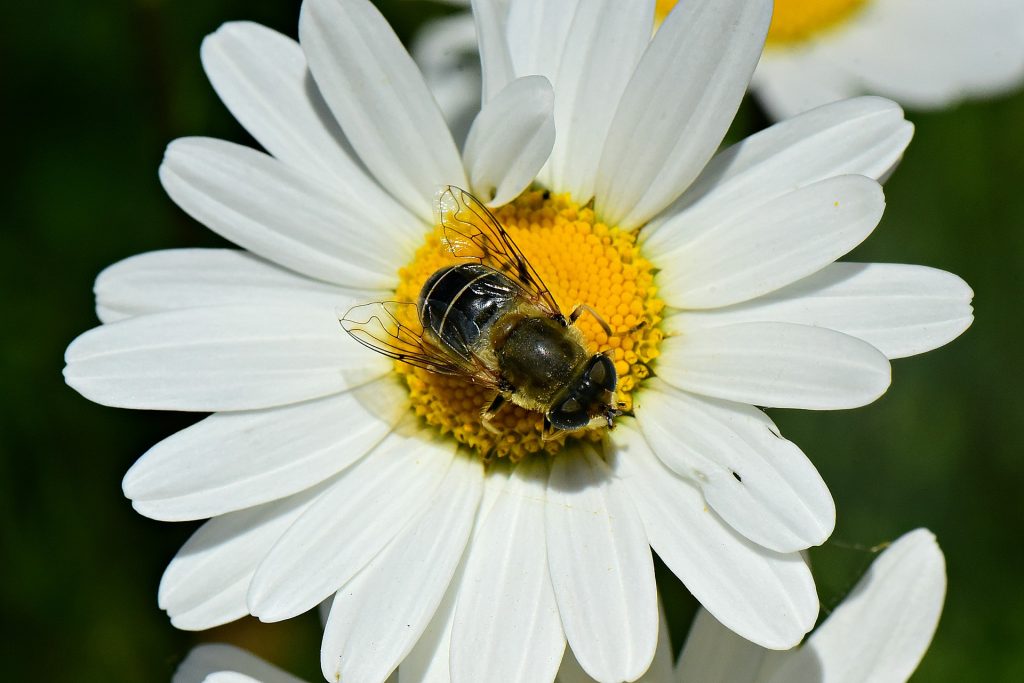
<point x="472" y="232"/>
<point x="378" y="327"/>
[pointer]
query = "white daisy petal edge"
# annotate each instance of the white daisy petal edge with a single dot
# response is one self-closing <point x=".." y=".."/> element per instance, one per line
<point x="765" y="596"/>
<point x="231" y="461"/>
<point x="262" y="77"/>
<point x="495" y="60"/>
<point x="901" y="310"/>
<point x="610" y="616"/>
<point x="538" y="32"/>
<point x="878" y="633"/>
<point x="207" y="661"/>
<point x="510" y="140"/>
<point x="661" y="137"/>
<point x="430" y="660"/>
<point x="863" y="136"/>
<point x="445" y="50"/>
<point x="506" y="625"/>
<point x="378" y="95"/>
<point x="205" y="585"/>
<point x="758" y="482"/>
<point x="366" y="638"/>
<point x="761" y="248"/>
<point x="218" y="358"/>
<point x="775" y="365"/>
<point x="174" y="279"/>
<point x="350" y="522"/>
<point x="282" y="214"/>
<point x="608" y="38"/>
<point x="660" y="671"/>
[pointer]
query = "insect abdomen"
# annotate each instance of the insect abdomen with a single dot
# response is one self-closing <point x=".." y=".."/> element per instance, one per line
<point x="458" y="303"/>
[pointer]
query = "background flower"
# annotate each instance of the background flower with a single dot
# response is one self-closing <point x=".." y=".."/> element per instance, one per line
<point x="924" y="54"/>
<point x="81" y="199"/>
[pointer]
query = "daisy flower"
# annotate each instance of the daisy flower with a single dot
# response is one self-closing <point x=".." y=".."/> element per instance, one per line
<point x="477" y="553"/>
<point x="924" y="54"/>
<point x="879" y="633"/>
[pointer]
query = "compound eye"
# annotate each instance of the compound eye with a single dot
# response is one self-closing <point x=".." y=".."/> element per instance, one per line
<point x="569" y="414"/>
<point x="602" y="373"/>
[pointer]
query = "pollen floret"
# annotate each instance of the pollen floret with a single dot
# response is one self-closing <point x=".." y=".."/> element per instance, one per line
<point x="581" y="261"/>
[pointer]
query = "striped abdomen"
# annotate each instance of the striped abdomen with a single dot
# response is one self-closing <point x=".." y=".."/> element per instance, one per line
<point x="458" y="303"/>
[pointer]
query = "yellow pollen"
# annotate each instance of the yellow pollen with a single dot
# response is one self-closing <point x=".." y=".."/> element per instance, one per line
<point x="580" y="260"/>
<point x="793" y="21"/>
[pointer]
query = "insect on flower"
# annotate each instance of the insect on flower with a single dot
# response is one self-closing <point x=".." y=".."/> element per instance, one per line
<point x="492" y="321"/>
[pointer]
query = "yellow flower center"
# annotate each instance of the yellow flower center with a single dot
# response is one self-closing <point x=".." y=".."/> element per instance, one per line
<point x="581" y="261"/>
<point x="794" y="21"/>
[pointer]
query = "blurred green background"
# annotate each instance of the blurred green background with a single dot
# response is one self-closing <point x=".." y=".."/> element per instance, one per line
<point x="91" y="94"/>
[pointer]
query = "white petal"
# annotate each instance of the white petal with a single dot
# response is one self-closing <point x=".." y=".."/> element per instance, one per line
<point x="861" y="136"/>
<point x="187" y="278"/>
<point x="231" y="461"/>
<point x="495" y="60"/>
<point x="764" y="596"/>
<point x="207" y="663"/>
<point x="206" y="582"/>
<point x="262" y="77"/>
<point x="219" y="358"/>
<point x="446" y="51"/>
<point x="765" y="247"/>
<point x="775" y="365"/>
<point x="377" y="617"/>
<point x="899" y="309"/>
<point x="759" y="483"/>
<point x="714" y="654"/>
<point x="538" y="31"/>
<point x="608" y="37"/>
<point x="678" y="105"/>
<point x="601" y="569"/>
<point x="284" y="215"/>
<point x="882" y="629"/>
<point x="506" y="621"/>
<point x="510" y="140"/>
<point x="230" y="677"/>
<point x="351" y="522"/>
<point x="379" y="97"/>
<point x="429" y="660"/>
<point x="661" y="668"/>
<point x="660" y="671"/>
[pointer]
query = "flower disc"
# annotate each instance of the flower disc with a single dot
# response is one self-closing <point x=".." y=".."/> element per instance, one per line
<point x="581" y="261"/>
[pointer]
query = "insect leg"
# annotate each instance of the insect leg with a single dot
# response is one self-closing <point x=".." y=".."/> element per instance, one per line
<point x="548" y="431"/>
<point x="490" y="412"/>
<point x="586" y="308"/>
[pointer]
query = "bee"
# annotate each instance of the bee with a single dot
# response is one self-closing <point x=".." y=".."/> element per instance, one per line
<point x="491" y="320"/>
